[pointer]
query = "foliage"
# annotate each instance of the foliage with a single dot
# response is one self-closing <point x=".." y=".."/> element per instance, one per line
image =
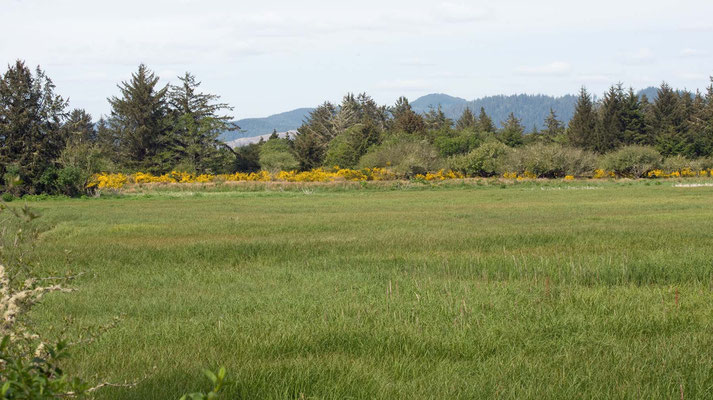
<point x="139" y="118"/>
<point x="216" y="379"/>
<point x="30" y="367"/>
<point x="632" y="161"/>
<point x="404" y="157"/>
<point x="31" y="116"/>
<point x="484" y="161"/>
<point x="276" y="155"/>
<point x="550" y="161"/>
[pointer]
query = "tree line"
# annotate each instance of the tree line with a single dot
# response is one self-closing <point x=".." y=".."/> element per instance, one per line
<point x="47" y="148"/>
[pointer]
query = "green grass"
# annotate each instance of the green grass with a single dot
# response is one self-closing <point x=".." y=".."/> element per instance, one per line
<point x="563" y="291"/>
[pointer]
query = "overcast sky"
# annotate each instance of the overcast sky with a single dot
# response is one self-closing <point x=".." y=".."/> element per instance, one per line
<point x="269" y="56"/>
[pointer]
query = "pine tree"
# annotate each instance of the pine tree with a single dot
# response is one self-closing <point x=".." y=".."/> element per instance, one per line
<point x="553" y="126"/>
<point x="436" y="119"/>
<point x="700" y="140"/>
<point x="196" y="123"/>
<point x="139" y="120"/>
<point x="467" y="120"/>
<point x="79" y="128"/>
<point x="31" y="117"/>
<point x="609" y="133"/>
<point x="634" y="122"/>
<point x="405" y="119"/>
<point x="668" y="121"/>
<point x="485" y="123"/>
<point x="512" y="131"/>
<point x="314" y="136"/>
<point x="583" y="123"/>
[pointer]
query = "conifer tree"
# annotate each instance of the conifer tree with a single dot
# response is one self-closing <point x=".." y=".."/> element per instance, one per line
<point x="668" y="121"/>
<point x="314" y="136"/>
<point x="553" y="126"/>
<point x="405" y="119"/>
<point x="609" y="131"/>
<point x="196" y="123"/>
<point x="583" y="122"/>
<point x="436" y="119"/>
<point x="512" y="131"/>
<point x="138" y="118"/>
<point x="485" y="123"/>
<point x="467" y="120"/>
<point x="31" y="117"/>
<point x="634" y="122"/>
<point x="79" y="128"/>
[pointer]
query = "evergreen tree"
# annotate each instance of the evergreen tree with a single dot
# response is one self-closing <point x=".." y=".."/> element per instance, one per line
<point x="139" y="120"/>
<point x="553" y="126"/>
<point x="485" y="124"/>
<point x="512" y="131"/>
<point x="634" y="121"/>
<point x="314" y="136"/>
<point x="609" y="133"/>
<point x="405" y="119"/>
<point x="79" y="128"/>
<point x="31" y="139"/>
<point x="584" y="121"/>
<point x="467" y="120"/>
<point x="196" y="123"/>
<point x="436" y="120"/>
<point x="668" y="121"/>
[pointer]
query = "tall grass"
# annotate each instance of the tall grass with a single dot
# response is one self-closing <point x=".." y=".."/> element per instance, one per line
<point x="472" y="292"/>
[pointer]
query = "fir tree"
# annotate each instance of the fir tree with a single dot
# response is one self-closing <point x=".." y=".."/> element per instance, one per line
<point x="634" y="122"/>
<point x="467" y="120"/>
<point x="553" y="126"/>
<point x="31" y="117"/>
<point x="436" y="119"/>
<point x="609" y="131"/>
<point x="512" y="131"/>
<point x="485" y="123"/>
<point x="583" y="123"/>
<point x="405" y="119"/>
<point x="196" y="123"/>
<point x="139" y="120"/>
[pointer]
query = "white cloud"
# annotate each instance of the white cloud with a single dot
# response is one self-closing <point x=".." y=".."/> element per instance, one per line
<point x="641" y="56"/>
<point x="408" y="85"/>
<point x="689" y="52"/>
<point x="557" y="68"/>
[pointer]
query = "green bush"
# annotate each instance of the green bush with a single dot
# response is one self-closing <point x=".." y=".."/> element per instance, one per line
<point x="550" y="161"/>
<point x="632" y="161"/>
<point x="484" y="161"/>
<point x="678" y="163"/>
<point x="404" y="158"/>
<point x="8" y="197"/>
<point x="453" y="145"/>
<point x="276" y="155"/>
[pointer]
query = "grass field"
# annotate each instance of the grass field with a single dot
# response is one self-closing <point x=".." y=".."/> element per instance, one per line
<point x="599" y="291"/>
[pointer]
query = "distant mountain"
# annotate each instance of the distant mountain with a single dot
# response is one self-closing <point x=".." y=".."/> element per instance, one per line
<point x="531" y="109"/>
<point x="256" y="139"/>
<point x="282" y="122"/>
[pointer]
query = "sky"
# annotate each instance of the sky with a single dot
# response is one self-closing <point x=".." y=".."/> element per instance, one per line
<point x="269" y="56"/>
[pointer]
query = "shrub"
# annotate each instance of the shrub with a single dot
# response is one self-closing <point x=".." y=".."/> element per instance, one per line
<point x="680" y="163"/>
<point x="484" y="161"/>
<point x="276" y="155"/>
<point x="7" y="197"/>
<point x="632" y="161"/>
<point x="550" y="161"/>
<point x="461" y="144"/>
<point x="404" y="158"/>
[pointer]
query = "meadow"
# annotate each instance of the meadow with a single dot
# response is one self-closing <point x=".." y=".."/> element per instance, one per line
<point x="566" y="290"/>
